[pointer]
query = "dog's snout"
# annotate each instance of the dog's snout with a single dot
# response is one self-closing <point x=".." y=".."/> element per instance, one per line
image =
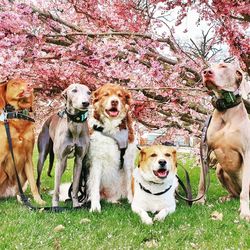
<point x="162" y="163"/>
<point x="85" y="104"/>
<point x="207" y="72"/>
<point x="114" y="103"/>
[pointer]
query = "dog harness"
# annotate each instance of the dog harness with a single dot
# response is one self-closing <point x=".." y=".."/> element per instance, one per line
<point x="149" y="192"/>
<point x="79" y="117"/>
<point x="229" y="100"/>
<point x="121" y="138"/>
<point x="9" y="112"/>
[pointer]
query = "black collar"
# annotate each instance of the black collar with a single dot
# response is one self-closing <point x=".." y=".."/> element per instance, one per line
<point x="11" y="113"/>
<point x="228" y="100"/>
<point x="79" y="117"/>
<point x="149" y="192"/>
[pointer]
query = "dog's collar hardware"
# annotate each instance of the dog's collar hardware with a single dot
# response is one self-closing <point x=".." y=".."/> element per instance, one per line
<point x="119" y="138"/>
<point x="79" y="117"/>
<point x="149" y="192"/>
<point x="229" y="100"/>
<point x="10" y="113"/>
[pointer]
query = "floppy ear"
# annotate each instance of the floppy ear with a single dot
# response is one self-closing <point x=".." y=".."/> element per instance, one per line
<point x="95" y="96"/>
<point x="128" y="97"/>
<point x="64" y="94"/>
<point x="239" y="77"/>
<point x="2" y="95"/>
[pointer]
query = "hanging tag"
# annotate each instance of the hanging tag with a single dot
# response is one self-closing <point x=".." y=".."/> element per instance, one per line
<point x="3" y="117"/>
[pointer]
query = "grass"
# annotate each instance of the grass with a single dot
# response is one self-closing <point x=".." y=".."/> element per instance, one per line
<point x="116" y="227"/>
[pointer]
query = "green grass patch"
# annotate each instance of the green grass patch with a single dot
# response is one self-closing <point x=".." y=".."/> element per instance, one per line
<point x="116" y="227"/>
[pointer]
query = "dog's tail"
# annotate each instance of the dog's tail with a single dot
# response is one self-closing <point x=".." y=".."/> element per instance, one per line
<point x="45" y="146"/>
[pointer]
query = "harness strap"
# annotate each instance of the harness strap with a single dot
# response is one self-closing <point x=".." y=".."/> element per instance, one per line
<point x="149" y="192"/>
<point x="116" y="138"/>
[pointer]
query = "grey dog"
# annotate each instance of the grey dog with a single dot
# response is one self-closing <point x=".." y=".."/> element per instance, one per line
<point x="66" y="135"/>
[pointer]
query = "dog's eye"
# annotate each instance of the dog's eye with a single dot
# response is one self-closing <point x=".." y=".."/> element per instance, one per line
<point x="223" y="66"/>
<point x="153" y="155"/>
<point x="119" y="94"/>
<point x="167" y="155"/>
<point x="74" y="90"/>
<point x="88" y="92"/>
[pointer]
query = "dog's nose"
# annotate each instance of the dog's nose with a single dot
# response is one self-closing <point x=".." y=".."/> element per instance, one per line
<point x="85" y="104"/>
<point x="114" y="103"/>
<point x="207" y="72"/>
<point x="162" y="163"/>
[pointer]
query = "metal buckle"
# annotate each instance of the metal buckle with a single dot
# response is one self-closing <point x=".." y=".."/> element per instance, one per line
<point x="3" y="117"/>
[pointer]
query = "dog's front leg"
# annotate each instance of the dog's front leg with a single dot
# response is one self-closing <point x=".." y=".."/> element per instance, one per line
<point x="29" y="171"/>
<point x="163" y="213"/>
<point x="94" y="186"/>
<point x="244" y="195"/>
<point x="76" y="180"/>
<point x="60" y="167"/>
<point x="143" y="214"/>
<point x="129" y="165"/>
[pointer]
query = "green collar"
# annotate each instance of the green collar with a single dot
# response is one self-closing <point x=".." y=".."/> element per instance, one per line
<point x="79" y="117"/>
<point x="228" y="100"/>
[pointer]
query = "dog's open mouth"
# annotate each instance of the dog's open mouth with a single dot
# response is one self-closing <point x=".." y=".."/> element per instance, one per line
<point x="113" y="112"/>
<point x="161" y="173"/>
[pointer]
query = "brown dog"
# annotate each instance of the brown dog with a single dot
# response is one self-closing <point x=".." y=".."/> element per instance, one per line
<point x="18" y="94"/>
<point x="228" y="134"/>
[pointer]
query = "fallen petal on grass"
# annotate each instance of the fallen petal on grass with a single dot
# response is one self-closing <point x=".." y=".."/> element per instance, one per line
<point x="217" y="216"/>
<point x="85" y="221"/>
<point x="151" y="244"/>
<point x="59" y="228"/>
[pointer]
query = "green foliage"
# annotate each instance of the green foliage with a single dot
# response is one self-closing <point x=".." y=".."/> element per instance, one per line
<point x="116" y="227"/>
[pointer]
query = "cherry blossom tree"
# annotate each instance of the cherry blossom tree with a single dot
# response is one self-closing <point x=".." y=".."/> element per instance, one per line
<point x="56" y="43"/>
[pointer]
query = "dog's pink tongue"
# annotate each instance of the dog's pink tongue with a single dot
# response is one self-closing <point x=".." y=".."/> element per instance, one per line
<point x="113" y="113"/>
<point x="162" y="173"/>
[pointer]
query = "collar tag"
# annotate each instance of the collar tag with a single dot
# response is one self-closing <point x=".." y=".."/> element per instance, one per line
<point x="3" y="117"/>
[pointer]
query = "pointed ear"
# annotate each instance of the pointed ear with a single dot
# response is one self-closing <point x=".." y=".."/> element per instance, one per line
<point x="142" y="156"/>
<point x="174" y="154"/>
<point x="2" y="95"/>
<point x="239" y="77"/>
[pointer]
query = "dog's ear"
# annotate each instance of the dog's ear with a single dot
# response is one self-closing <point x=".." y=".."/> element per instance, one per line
<point x="95" y="96"/>
<point x="239" y="77"/>
<point x="142" y="156"/>
<point x="2" y="95"/>
<point x="64" y="94"/>
<point x="128" y="96"/>
<point x="174" y="154"/>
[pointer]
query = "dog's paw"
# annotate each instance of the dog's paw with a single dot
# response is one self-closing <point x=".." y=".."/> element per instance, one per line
<point x="245" y="216"/>
<point x="160" y="216"/>
<point x="147" y="220"/>
<point x="40" y="201"/>
<point x="225" y="198"/>
<point x="95" y="208"/>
